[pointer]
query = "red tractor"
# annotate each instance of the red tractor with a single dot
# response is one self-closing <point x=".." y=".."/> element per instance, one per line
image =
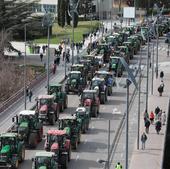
<point x="91" y="101"/>
<point x="58" y="143"/>
<point x="48" y="110"/>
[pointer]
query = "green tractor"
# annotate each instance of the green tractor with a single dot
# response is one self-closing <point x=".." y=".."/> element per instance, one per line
<point x="84" y="115"/>
<point x="72" y="125"/>
<point x="79" y="67"/>
<point x="57" y="142"/>
<point x="45" y="160"/>
<point x="60" y="96"/>
<point x="75" y="82"/>
<point x="130" y="48"/>
<point x="116" y="66"/>
<point x="12" y="150"/>
<point x="124" y="50"/>
<point x="134" y="43"/>
<point x="109" y="78"/>
<point x="28" y="125"/>
<point x="99" y="85"/>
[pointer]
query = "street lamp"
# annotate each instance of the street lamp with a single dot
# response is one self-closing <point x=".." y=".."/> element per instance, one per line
<point x="25" y="69"/>
<point x="48" y="20"/>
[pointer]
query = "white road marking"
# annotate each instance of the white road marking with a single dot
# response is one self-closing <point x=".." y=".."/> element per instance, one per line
<point x="77" y="157"/>
<point x="85" y="141"/>
<point x="115" y="111"/>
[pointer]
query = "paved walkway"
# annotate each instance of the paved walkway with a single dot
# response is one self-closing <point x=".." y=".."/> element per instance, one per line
<point x="151" y="157"/>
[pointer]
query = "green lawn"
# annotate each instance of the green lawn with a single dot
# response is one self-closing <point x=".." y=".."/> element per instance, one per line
<point x="60" y="33"/>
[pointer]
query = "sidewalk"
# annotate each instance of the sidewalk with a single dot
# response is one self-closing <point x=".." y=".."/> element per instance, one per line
<point x="152" y="156"/>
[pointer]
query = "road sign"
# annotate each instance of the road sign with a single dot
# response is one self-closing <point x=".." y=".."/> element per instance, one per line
<point x="130" y="74"/>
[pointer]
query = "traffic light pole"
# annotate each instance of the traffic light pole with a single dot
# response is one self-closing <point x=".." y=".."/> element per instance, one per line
<point x="25" y="68"/>
<point x="73" y="39"/>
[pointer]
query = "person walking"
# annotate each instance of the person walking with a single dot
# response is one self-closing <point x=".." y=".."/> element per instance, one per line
<point x="147" y="125"/>
<point x="30" y="95"/>
<point x="41" y="56"/>
<point x="160" y="90"/>
<point x="54" y="68"/>
<point x="157" y="110"/>
<point x="143" y="140"/>
<point x="145" y="115"/>
<point x="159" y="115"/>
<point x="118" y="166"/>
<point x="158" y="126"/>
<point x="161" y="75"/>
<point x="151" y="117"/>
<point x="163" y="118"/>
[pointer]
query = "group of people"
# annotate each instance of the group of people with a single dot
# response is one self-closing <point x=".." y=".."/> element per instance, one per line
<point x="157" y="118"/>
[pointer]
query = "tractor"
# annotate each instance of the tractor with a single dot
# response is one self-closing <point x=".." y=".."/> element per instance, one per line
<point x="98" y="84"/>
<point x="12" y="150"/>
<point x="60" y="96"/>
<point x="75" y="82"/>
<point x="57" y="142"/>
<point x="110" y="80"/>
<point x="48" y="110"/>
<point x="124" y="50"/>
<point x="84" y="115"/>
<point x="45" y="160"/>
<point x="72" y="125"/>
<point x="116" y="66"/>
<point x="28" y="125"/>
<point x="79" y="67"/>
<point x="130" y="48"/>
<point x="90" y="100"/>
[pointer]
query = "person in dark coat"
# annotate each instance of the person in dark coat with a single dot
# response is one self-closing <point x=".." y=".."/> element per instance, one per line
<point x="143" y="140"/>
<point x="29" y="95"/>
<point x="147" y="125"/>
<point x="160" y="90"/>
<point x="161" y="75"/>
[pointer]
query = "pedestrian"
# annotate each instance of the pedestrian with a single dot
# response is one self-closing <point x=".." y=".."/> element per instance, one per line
<point x="43" y="48"/>
<point x="151" y="117"/>
<point x="143" y="140"/>
<point x="29" y="95"/>
<point x="145" y="115"/>
<point x="41" y="56"/>
<point x="162" y="84"/>
<point x="159" y="115"/>
<point x="147" y="125"/>
<point x="157" y="110"/>
<point x="163" y="118"/>
<point x="160" y="90"/>
<point x="158" y="126"/>
<point x="161" y="75"/>
<point x="118" y="166"/>
<point x="54" y="68"/>
<point x="27" y="90"/>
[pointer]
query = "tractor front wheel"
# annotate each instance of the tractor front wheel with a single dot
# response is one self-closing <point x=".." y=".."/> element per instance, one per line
<point x="64" y="162"/>
<point x="22" y="156"/>
<point x="52" y="119"/>
<point x="33" y="140"/>
<point x="66" y="102"/>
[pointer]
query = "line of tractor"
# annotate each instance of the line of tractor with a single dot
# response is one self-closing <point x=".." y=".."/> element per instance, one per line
<point x="92" y="78"/>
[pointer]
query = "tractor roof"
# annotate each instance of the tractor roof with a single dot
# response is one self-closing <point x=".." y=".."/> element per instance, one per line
<point x="78" y="72"/>
<point x="8" y="135"/>
<point x="27" y="112"/>
<point x="89" y="91"/>
<point x="68" y="117"/>
<point x="81" y="109"/>
<point x="77" y="65"/>
<point x="122" y="47"/>
<point x="97" y="78"/>
<point x="56" y="132"/>
<point x="46" y="96"/>
<point x="102" y="72"/>
<point x="88" y="55"/>
<point x="114" y="57"/>
<point x="44" y="154"/>
<point x="55" y="85"/>
<point x="99" y="56"/>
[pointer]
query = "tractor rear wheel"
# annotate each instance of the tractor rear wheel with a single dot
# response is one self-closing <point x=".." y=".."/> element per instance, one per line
<point x="75" y="145"/>
<point x="16" y="165"/>
<point x="64" y="161"/>
<point x="22" y="155"/>
<point x="33" y="140"/>
<point x="69" y="153"/>
<point x="66" y="102"/>
<point x="40" y="134"/>
<point x="79" y="138"/>
<point x="52" y="119"/>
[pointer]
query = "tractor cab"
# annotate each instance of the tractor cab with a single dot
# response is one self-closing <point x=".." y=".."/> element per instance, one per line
<point x="47" y="108"/>
<point x="98" y="84"/>
<point x="11" y="146"/>
<point x="77" y="67"/>
<point x="125" y="51"/>
<point x="60" y="96"/>
<point x="46" y="160"/>
<point x="116" y="66"/>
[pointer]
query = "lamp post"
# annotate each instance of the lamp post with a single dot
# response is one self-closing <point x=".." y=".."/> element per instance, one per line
<point x="157" y="48"/>
<point x="47" y="22"/>
<point x="25" y="68"/>
<point x="153" y="53"/>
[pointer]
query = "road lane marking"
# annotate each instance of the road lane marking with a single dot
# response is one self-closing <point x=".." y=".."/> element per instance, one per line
<point x="115" y="111"/>
<point x="85" y="141"/>
<point x="77" y="157"/>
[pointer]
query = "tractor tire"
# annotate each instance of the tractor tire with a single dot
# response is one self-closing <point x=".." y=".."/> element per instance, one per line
<point x="69" y="153"/>
<point x="64" y="161"/>
<point x="87" y="126"/>
<point x="52" y="119"/>
<point x="40" y="134"/>
<point x="33" y="140"/>
<point x="62" y="107"/>
<point x="22" y="154"/>
<point x="75" y="145"/>
<point x="79" y="138"/>
<point x="103" y="100"/>
<point x="66" y="102"/>
<point x="16" y="164"/>
<point x="84" y="129"/>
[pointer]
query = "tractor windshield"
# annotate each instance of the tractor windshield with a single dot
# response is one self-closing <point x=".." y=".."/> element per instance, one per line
<point x="95" y="83"/>
<point x="74" y="75"/>
<point x="88" y="95"/>
<point x="43" y="161"/>
<point x="43" y="101"/>
<point x="7" y="141"/>
<point x="114" y="61"/>
<point x="101" y="75"/>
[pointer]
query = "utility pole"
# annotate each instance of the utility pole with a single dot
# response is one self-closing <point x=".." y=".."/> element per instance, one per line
<point x="139" y="91"/>
<point x="108" y="156"/>
<point x="153" y="53"/>
<point x="147" y="81"/>
<point x="157" y="48"/>
<point x="48" y="59"/>
<point x="127" y="123"/>
<point x="72" y="38"/>
<point x="25" y="68"/>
